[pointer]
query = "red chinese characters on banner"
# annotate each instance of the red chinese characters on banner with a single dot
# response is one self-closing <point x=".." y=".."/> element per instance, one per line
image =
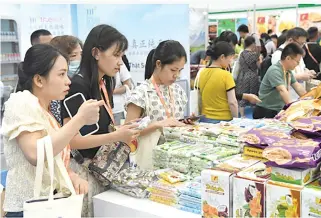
<point x="261" y="20"/>
<point x="304" y="17"/>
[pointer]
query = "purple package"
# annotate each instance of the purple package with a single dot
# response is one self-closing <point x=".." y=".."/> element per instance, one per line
<point x="280" y="114"/>
<point x="309" y="126"/>
<point x="293" y="153"/>
<point x="261" y="138"/>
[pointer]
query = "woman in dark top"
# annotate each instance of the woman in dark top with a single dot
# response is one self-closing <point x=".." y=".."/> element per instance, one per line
<point x="101" y="60"/>
<point x="248" y="78"/>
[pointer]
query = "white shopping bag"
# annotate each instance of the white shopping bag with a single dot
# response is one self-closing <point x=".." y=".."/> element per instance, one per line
<point x="195" y="96"/>
<point x="52" y="206"/>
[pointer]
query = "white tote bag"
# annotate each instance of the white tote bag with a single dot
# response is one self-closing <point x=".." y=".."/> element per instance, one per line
<point x="52" y="206"/>
<point x="195" y="96"/>
<point x="143" y="156"/>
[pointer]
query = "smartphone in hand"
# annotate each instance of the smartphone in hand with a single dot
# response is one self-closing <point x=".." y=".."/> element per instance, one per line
<point x="72" y="104"/>
<point x="192" y="118"/>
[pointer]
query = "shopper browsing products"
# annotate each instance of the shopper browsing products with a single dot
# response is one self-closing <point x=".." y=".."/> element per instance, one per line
<point x="27" y="118"/>
<point x="301" y="73"/>
<point x="217" y="86"/>
<point x="274" y="90"/>
<point x="166" y="99"/>
<point x="101" y="60"/>
<point x="248" y="77"/>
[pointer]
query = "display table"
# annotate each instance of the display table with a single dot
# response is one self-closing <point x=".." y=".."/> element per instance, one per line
<point x="115" y="204"/>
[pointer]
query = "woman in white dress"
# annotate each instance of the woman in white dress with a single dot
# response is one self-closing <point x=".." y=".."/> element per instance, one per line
<point x="27" y="118"/>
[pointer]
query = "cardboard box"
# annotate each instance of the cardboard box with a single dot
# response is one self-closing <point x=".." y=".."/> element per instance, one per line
<point x="217" y="193"/>
<point x="258" y="172"/>
<point x="311" y="200"/>
<point x="295" y="176"/>
<point x="283" y="200"/>
<point x="249" y="191"/>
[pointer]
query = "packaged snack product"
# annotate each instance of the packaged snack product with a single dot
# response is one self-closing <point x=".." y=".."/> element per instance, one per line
<point x="134" y="182"/>
<point x="248" y="198"/>
<point x="283" y="200"/>
<point x="262" y="137"/>
<point x="188" y="209"/>
<point x="300" y="109"/>
<point x="228" y="140"/>
<point x="295" y="176"/>
<point x="293" y="153"/>
<point x="131" y="191"/>
<point x="311" y="200"/>
<point x="171" y="176"/>
<point x="236" y="164"/>
<point x="192" y="189"/>
<point x="161" y="153"/>
<point x="217" y="193"/>
<point x="310" y="126"/>
<point x="257" y="172"/>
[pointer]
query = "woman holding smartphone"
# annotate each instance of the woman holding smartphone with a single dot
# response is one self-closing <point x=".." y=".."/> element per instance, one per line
<point x="27" y="118"/>
<point x="101" y="60"/>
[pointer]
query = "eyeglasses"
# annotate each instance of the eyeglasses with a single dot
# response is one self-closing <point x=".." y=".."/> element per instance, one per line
<point x="300" y="43"/>
<point x="297" y="62"/>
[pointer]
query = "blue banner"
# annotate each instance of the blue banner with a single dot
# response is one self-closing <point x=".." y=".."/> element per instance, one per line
<point x="143" y="25"/>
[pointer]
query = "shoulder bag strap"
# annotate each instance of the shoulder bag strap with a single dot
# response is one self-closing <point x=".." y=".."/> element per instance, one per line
<point x="60" y="165"/>
<point x="313" y="58"/>
<point x="39" y="168"/>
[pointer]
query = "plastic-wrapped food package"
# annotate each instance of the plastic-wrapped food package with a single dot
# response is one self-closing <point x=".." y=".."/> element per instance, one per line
<point x="198" y="139"/>
<point x="300" y="109"/>
<point x="277" y="125"/>
<point x="133" y="177"/>
<point x="192" y="189"/>
<point x="180" y="159"/>
<point x="217" y="153"/>
<point x="163" y="200"/>
<point x="198" y="164"/>
<point x="236" y="163"/>
<point x="190" y="197"/>
<point x="161" y="153"/>
<point x="171" y="176"/>
<point x="134" y="182"/>
<point x="164" y="192"/>
<point x="228" y="140"/>
<point x="210" y="131"/>
<point x="131" y="191"/>
<point x="172" y="133"/>
<point x="262" y="137"/>
<point x="293" y="153"/>
<point x="247" y="123"/>
<point x="232" y="130"/>
<point x="165" y="186"/>
<point x="143" y="123"/>
<point x="309" y="126"/>
<point x="188" y="209"/>
<point x="190" y="201"/>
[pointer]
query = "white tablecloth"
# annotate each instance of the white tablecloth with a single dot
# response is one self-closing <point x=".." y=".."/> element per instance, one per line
<point x="115" y="204"/>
